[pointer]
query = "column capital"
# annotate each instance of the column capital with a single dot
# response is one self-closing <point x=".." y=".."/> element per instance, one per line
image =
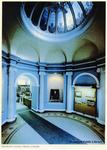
<point x="98" y="70"/>
<point x="10" y="69"/>
<point x="98" y="86"/>
<point x="69" y="73"/>
<point x="42" y="73"/>
<point x="101" y="70"/>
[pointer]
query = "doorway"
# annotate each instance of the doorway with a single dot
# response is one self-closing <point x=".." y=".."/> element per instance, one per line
<point x="26" y="92"/>
<point x="23" y="93"/>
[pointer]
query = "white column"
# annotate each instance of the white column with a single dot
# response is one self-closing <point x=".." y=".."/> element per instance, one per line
<point x="34" y="90"/>
<point x="4" y="94"/>
<point x="42" y="95"/>
<point x="101" y="98"/>
<point x="11" y="95"/>
<point x="70" y="93"/>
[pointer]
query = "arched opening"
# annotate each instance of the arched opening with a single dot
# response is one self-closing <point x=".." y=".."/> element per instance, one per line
<point x="23" y="92"/>
<point x="85" y="94"/>
<point x="88" y="49"/>
<point x="26" y="92"/>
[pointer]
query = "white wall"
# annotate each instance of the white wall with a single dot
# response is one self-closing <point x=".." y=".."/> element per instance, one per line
<point x="55" y="81"/>
<point x="4" y="95"/>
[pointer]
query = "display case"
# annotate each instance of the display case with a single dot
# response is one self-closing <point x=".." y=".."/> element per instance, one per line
<point x="85" y="100"/>
<point x="23" y="91"/>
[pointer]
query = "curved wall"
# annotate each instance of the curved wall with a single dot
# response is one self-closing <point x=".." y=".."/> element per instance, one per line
<point x="49" y="76"/>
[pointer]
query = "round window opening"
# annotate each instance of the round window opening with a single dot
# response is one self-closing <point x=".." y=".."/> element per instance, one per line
<point x="57" y="20"/>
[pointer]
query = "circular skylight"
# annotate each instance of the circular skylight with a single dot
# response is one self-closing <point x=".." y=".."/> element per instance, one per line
<point x="55" y="18"/>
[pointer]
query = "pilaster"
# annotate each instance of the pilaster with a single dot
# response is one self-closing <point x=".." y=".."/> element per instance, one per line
<point x="101" y="97"/>
<point x="42" y="93"/>
<point x="70" y="93"/>
<point x="11" y="95"/>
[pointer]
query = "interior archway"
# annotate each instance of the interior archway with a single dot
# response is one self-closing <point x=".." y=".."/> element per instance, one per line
<point x="85" y="94"/>
<point x="26" y="91"/>
<point x="88" y="50"/>
<point x="86" y="74"/>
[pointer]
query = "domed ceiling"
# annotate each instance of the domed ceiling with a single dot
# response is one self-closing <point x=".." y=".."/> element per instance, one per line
<point x="58" y="33"/>
<point x="55" y="20"/>
<point x="56" y="17"/>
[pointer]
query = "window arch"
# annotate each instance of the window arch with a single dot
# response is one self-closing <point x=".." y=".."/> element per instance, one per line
<point x="52" y="21"/>
<point x="60" y="21"/>
<point x="88" y="74"/>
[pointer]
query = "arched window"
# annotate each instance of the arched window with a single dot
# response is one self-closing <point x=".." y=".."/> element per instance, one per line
<point x="28" y="8"/>
<point x="60" y="21"/>
<point x="78" y="12"/>
<point x="44" y="19"/>
<point x="87" y="6"/>
<point x="51" y="23"/>
<point x="36" y="14"/>
<point x="69" y="17"/>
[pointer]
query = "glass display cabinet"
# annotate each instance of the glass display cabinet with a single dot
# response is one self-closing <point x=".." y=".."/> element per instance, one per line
<point x="85" y="100"/>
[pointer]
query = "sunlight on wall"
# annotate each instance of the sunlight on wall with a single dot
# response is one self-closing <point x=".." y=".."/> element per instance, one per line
<point x="23" y="80"/>
<point x="55" y="81"/>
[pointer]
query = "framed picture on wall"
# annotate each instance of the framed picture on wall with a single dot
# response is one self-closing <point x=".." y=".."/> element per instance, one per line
<point x="55" y="95"/>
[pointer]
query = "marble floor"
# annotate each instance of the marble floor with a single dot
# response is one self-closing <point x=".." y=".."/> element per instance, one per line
<point x="20" y="107"/>
<point x="75" y="128"/>
<point x="81" y="127"/>
<point x="92" y="124"/>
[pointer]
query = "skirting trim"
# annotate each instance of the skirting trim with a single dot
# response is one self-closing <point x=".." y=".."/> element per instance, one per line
<point x="100" y="121"/>
<point x="12" y="119"/>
